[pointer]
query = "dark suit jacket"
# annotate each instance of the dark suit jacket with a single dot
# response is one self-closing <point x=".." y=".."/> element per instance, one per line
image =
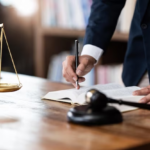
<point x="101" y="26"/>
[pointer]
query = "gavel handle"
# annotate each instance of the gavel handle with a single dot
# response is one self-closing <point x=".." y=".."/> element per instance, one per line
<point x="121" y="102"/>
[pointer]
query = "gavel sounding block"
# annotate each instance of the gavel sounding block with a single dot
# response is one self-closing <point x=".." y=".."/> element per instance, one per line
<point x="83" y="115"/>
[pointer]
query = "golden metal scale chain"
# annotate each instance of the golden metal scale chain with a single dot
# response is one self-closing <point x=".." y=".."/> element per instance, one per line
<point x="1" y="40"/>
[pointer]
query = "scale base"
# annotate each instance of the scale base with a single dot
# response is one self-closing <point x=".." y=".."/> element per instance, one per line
<point x="9" y="87"/>
<point x="80" y="115"/>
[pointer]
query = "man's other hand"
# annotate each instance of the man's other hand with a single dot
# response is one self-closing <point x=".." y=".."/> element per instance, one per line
<point x="144" y="91"/>
<point x="86" y="63"/>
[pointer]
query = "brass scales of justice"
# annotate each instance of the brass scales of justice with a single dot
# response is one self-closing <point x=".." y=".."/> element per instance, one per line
<point x="7" y="87"/>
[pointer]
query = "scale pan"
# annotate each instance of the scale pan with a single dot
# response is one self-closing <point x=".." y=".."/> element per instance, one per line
<point x="9" y="87"/>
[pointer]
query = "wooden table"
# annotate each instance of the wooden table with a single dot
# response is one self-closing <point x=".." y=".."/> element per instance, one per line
<point x="29" y="123"/>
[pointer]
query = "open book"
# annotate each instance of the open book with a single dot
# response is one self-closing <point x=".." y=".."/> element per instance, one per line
<point x="111" y="90"/>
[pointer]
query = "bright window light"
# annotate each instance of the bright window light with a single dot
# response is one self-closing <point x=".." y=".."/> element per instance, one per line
<point x="23" y="7"/>
<point x="6" y="2"/>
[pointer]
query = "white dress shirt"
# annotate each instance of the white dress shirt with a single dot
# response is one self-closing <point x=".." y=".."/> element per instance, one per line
<point x="92" y="50"/>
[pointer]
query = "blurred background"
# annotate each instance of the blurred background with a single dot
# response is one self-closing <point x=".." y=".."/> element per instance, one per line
<point x="41" y="34"/>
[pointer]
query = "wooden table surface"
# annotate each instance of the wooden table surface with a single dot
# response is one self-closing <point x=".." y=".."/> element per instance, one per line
<point x="29" y="123"/>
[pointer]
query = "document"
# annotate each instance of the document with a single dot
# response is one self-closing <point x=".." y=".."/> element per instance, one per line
<point x="111" y="90"/>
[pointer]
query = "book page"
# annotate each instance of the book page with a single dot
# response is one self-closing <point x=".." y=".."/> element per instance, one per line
<point x="78" y="96"/>
<point x="123" y="92"/>
<point x="111" y="90"/>
<point x="100" y="87"/>
<point x="63" y="95"/>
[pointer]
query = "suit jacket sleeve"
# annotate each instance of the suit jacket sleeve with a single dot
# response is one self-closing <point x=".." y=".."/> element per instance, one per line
<point x="102" y="22"/>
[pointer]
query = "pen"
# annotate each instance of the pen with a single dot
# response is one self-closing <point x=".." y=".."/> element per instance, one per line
<point x="76" y="59"/>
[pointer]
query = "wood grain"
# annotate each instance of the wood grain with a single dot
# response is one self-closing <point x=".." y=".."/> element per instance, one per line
<point x="29" y="123"/>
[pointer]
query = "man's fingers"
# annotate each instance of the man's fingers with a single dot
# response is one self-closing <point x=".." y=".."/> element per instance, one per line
<point x="71" y="77"/>
<point x="80" y="70"/>
<point x="86" y="63"/>
<point x="143" y="91"/>
<point x="73" y="80"/>
<point x="145" y="99"/>
<point x="68" y="73"/>
<point x="71" y="73"/>
<point x="78" y="87"/>
<point x="81" y="79"/>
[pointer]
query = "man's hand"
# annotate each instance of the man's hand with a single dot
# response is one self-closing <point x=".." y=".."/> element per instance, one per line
<point x="145" y="91"/>
<point x="86" y="63"/>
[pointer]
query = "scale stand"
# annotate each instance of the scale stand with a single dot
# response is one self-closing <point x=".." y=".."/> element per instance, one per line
<point x="7" y="87"/>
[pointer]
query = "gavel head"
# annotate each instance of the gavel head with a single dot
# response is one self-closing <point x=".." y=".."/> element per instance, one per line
<point x="96" y="100"/>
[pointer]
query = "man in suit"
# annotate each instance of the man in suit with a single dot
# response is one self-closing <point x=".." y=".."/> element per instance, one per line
<point x="101" y="26"/>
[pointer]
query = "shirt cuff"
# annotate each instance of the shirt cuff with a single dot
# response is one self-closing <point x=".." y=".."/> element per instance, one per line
<point x="93" y="51"/>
